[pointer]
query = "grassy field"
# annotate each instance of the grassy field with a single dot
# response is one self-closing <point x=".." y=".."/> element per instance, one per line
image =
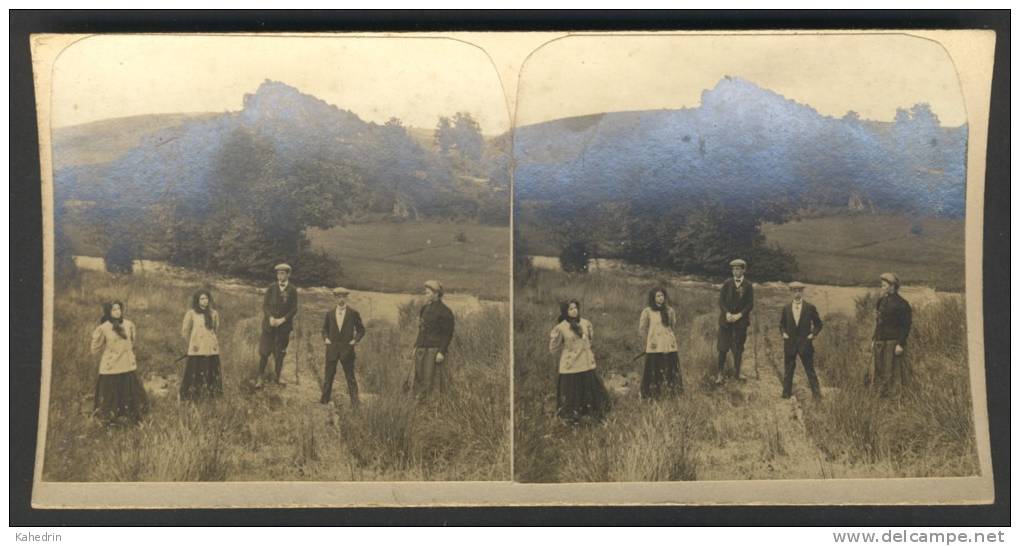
<point x="855" y="249"/>
<point x="849" y="250"/>
<point x="398" y="257"/>
<point x="735" y="431"/>
<point x="395" y="257"/>
<point x="928" y="431"/>
<point x="276" y="433"/>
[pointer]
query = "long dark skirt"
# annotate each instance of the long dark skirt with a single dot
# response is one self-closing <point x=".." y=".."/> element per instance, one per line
<point x="201" y="378"/>
<point x="120" y="397"/>
<point x="581" y="395"/>
<point x="662" y="375"/>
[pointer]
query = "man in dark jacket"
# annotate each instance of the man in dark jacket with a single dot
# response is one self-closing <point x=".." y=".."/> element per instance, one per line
<point x="736" y="299"/>
<point x="892" y="326"/>
<point x="435" y="331"/>
<point x="341" y="331"/>
<point x="799" y="324"/>
<point x="279" y="306"/>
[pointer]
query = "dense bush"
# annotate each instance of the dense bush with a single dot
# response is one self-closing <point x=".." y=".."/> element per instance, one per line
<point x="120" y="256"/>
<point x="574" y="257"/>
<point x="524" y="270"/>
<point x="64" y="269"/>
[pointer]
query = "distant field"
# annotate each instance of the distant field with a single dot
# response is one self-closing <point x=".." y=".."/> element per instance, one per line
<point x="399" y="257"/>
<point x="106" y="140"/>
<point x="848" y="250"/>
<point x="390" y="257"/>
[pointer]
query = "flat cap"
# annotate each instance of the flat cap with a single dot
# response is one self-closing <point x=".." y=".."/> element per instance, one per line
<point x="341" y="291"/>
<point x="282" y="267"/>
<point x="738" y="263"/>
<point x="796" y="285"/>
<point x="890" y="278"/>
<point x="434" y="285"/>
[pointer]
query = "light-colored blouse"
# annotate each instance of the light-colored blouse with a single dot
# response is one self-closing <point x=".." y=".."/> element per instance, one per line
<point x="118" y="353"/>
<point x="659" y="338"/>
<point x="201" y="340"/>
<point x="577" y="356"/>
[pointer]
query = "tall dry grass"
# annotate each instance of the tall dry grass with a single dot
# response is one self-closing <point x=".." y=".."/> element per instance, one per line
<point x="463" y="436"/>
<point x="273" y="433"/>
<point x="733" y="430"/>
<point x="928" y="429"/>
<point x="639" y="441"/>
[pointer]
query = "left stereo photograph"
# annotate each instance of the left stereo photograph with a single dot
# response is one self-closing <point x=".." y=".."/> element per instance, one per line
<point x="272" y="258"/>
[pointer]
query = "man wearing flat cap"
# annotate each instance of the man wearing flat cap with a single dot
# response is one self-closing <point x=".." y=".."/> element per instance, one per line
<point x="799" y="324"/>
<point x="435" y="331"/>
<point x="341" y="331"/>
<point x="892" y="326"/>
<point x="736" y="299"/>
<point x="279" y="306"/>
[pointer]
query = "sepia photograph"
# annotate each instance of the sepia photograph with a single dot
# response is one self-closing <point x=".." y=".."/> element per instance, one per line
<point x="741" y="258"/>
<point x="278" y="259"/>
<point x="512" y="269"/>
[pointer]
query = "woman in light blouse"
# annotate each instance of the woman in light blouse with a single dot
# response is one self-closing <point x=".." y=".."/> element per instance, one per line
<point x="119" y="395"/>
<point x="662" y="361"/>
<point x="202" y="372"/>
<point x="580" y="393"/>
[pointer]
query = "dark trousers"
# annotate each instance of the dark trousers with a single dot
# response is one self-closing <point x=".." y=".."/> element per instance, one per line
<point x="352" y="381"/>
<point x="731" y="338"/>
<point x="273" y="342"/>
<point x="790" y="364"/>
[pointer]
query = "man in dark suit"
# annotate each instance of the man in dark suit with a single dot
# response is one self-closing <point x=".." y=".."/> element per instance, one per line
<point x="736" y="299"/>
<point x="341" y="331"/>
<point x="893" y="317"/>
<point x="799" y="324"/>
<point x="435" y="331"/>
<point x="279" y="306"/>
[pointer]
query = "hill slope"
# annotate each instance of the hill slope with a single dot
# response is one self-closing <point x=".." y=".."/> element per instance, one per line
<point x="744" y="142"/>
<point x="106" y="140"/>
<point x="133" y="162"/>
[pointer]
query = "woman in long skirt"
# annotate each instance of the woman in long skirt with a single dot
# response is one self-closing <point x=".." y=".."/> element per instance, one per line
<point x="202" y="377"/>
<point x="119" y="397"/>
<point x="662" y="361"/>
<point x="580" y="393"/>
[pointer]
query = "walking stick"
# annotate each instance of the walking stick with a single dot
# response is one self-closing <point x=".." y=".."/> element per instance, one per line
<point x="297" y="359"/>
<point x="754" y="343"/>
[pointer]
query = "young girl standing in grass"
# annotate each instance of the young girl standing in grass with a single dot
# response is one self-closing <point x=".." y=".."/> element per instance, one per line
<point x="119" y="396"/>
<point x="579" y="390"/>
<point x="202" y="372"/>
<point x="662" y="360"/>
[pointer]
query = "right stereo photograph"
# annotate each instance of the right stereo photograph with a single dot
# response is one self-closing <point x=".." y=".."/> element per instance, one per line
<point x="744" y="257"/>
